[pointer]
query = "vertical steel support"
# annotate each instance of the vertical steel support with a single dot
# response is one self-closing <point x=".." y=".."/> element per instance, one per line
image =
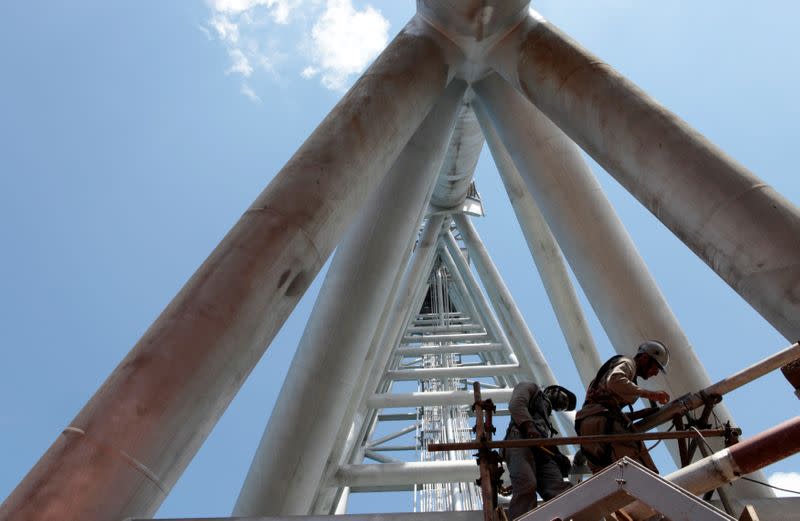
<point x="613" y="276"/>
<point x="547" y="256"/>
<point x="410" y="293"/>
<point x="743" y="229"/>
<point x="291" y="457"/>
<point x="143" y="426"/>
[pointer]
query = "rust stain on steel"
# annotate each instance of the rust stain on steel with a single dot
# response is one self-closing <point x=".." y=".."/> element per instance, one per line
<point x="351" y="126"/>
<point x="792" y="373"/>
<point x="767" y="447"/>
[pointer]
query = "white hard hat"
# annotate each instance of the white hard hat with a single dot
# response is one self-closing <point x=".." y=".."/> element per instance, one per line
<point x="657" y="351"/>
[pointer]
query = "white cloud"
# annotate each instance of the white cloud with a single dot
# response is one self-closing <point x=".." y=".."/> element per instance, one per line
<point x="345" y="41"/>
<point x="280" y="10"/>
<point x="240" y="64"/>
<point x="250" y="93"/>
<point x="329" y="39"/>
<point x="787" y="480"/>
<point x="224" y="28"/>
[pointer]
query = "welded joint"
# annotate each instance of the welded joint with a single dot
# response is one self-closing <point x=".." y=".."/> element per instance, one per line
<point x="130" y="460"/>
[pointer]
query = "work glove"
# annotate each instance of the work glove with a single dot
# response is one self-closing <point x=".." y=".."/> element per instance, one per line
<point x="564" y="464"/>
<point x="528" y="430"/>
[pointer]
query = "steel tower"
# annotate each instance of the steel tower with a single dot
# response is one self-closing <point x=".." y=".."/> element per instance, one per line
<point x="386" y="180"/>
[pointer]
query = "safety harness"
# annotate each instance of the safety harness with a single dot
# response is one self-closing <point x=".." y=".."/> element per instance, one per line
<point x="602" y="405"/>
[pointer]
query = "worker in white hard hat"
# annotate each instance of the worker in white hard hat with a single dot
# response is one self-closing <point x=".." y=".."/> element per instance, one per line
<point x="614" y="387"/>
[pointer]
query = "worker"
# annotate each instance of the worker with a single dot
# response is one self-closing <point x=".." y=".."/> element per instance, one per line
<point x="614" y="387"/>
<point x="537" y="469"/>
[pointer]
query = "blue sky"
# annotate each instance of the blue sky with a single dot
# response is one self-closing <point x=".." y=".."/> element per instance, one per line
<point x="133" y="135"/>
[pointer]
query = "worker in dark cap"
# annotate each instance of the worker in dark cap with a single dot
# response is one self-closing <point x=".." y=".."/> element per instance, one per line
<point x="614" y="387"/>
<point x="537" y="469"/>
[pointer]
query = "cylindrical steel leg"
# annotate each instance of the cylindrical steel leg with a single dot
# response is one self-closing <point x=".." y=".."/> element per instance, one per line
<point x="411" y="292"/>
<point x="613" y="276"/>
<point x="547" y="256"/>
<point x="298" y="439"/>
<point x="743" y="229"/>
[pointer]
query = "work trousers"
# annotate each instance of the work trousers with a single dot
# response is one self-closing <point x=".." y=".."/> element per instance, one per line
<point x="600" y="455"/>
<point x="532" y="471"/>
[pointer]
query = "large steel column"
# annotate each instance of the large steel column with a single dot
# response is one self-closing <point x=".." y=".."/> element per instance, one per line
<point x="546" y="255"/>
<point x="743" y="229"/>
<point x="355" y="422"/>
<point x="613" y="276"/>
<point x="140" y="430"/>
<point x="327" y="495"/>
<point x="291" y="457"/>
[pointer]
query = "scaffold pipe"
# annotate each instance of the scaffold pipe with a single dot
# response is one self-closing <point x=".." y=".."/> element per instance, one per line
<point x="732" y="463"/>
<point x="714" y="392"/>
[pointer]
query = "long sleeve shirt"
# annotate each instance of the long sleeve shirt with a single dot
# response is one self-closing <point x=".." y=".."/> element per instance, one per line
<point x="617" y="385"/>
<point x="528" y="407"/>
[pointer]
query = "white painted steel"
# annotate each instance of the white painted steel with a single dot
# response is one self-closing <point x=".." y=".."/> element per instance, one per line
<point x="466" y="282"/>
<point x="757" y="370"/>
<point x="742" y="228"/>
<point x="341" y="504"/>
<point x="547" y="256"/>
<point x="291" y="457"/>
<point x="380" y="458"/>
<point x="389" y="474"/>
<point x="464" y="349"/>
<point x="453" y="256"/>
<point x="503" y="303"/>
<point x="144" y="425"/>
<point x="420" y="399"/>
<point x="477" y="371"/>
<point x="450" y="319"/>
<point x="356" y="423"/>
<point x="328" y="500"/>
<point x="473" y="21"/>
<point x="444" y="329"/>
<point x="383" y="439"/>
<point x="453" y="182"/>
<point x="605" y="261"/>
<point x="435" y="316"/>
<point x="463" y="292"/>
<point x="443" y="337"/>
